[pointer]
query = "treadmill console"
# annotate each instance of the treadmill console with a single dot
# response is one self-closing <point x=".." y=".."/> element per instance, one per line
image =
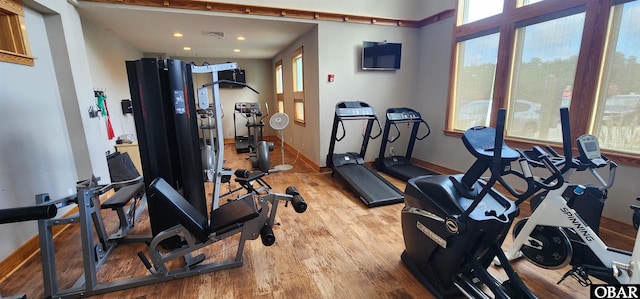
<point x="354" y="109"/>
<point x="401" y="115"/>
<point x="589" y="150"/>
<point x="359" y="111"/>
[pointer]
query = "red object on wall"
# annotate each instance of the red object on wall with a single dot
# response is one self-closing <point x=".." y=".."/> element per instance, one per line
<point x="110" y="133"/>
<point x="331" y="77"/>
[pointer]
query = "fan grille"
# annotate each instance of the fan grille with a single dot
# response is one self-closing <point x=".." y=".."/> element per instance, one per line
<point x="279" y="121"/>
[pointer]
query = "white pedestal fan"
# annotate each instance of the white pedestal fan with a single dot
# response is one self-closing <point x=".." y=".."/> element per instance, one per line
<point x="278" y="122"/>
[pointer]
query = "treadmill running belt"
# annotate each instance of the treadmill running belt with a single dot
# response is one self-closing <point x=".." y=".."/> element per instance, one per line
<point x="407" y="171"/>
<point x="372" y="188"/>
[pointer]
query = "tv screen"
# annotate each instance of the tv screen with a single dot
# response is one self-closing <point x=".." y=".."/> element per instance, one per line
<point x="236" y="75"/>
<point x="381" y="56"/>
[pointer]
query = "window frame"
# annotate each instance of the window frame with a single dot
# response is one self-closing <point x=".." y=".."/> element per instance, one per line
<point x="13" y="33"/>
<point x="585" y="87"/>
<point x="298" y="95"/>
<point x="279" y="86"/>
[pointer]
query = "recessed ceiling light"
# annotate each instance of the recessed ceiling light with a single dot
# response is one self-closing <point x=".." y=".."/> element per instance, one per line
<point x="177" y="34"/>
<point x="240" y="37"/>
<point x="187" y="48"/>
<point x="236" y="50"/>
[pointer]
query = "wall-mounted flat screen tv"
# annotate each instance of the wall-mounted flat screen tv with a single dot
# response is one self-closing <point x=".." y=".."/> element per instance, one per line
<point x="236" y="75"/>
<point x="381" y="56"/>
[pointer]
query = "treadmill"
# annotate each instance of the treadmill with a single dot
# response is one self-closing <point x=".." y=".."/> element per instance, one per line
<point x="401" y="166"/>
<point x="371" y="187"/>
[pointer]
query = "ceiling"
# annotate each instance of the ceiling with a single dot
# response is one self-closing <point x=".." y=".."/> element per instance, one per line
<point x="151" y="31"/>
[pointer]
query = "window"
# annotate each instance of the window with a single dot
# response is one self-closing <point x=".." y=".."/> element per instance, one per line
<point x="476" y="69"/>
<point x="535" y="56"/>
<point x="544" y="63"/>
<point x="279" y="87"/>
<point x="617" y="117"/>
<point x="527" y="2"/>
<point x="474" y="10"/>
<point x="298" y="86"/>
<point x="13" y="35"/>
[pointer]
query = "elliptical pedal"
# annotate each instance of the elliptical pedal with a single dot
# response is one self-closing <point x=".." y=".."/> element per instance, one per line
<point x="468" y="288"/>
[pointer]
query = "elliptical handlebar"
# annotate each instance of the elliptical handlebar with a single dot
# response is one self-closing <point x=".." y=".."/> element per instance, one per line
<point x="480" y="148"/>
<point x="266" y="107"/>
<point x="556" y="174"/>
<point x="585" y="160"/>
<point x="497" y="158"/>
<point x="541" y="159"/>
<point x="537" y="157"/>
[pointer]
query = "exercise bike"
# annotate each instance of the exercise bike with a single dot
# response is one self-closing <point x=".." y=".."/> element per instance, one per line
<point x="453" y="225"/>
<point x="556" y="235"/>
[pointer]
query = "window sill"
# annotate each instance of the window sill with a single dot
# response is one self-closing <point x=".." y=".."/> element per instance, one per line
<point x="299" y="122"/>
<point x="618" y="157"/>
<point x="16" y="58"/>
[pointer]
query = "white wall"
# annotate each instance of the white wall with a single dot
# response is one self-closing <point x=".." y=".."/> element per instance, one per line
<point x="432" y="92"/>
<point x="107" y="55"/>
<point x="64" y="35"/>
<point x="49" y="142"/>
<point x="35" y="151"/>
<point x="304" y="138"/>
<point x="340" y="54"/>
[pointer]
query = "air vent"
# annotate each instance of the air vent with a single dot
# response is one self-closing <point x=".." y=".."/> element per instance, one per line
<point x="213" y="33"/>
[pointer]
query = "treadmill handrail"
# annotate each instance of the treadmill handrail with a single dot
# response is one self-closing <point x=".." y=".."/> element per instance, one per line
<point x="394" y="138"/>
<point x="428" y="130"/>
<point x="379" y="127"/>
<point x="344" y="132"/>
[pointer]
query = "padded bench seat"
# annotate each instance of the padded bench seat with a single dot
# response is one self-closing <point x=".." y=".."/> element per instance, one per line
<point x="123" y="196"/>
<point x="249" y="176"/>
<point x="234" y="212"/>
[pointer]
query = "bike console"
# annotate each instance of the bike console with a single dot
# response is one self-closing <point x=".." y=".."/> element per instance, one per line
<point x="589" y="150"/>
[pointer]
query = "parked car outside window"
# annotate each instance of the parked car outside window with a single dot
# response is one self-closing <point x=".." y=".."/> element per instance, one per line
<point x="476" y="113"/>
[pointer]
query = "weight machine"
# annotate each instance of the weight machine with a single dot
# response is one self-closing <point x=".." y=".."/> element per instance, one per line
<point x="251" y="215"/>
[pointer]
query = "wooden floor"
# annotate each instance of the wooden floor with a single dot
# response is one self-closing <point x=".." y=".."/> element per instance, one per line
<point x="337" y="249"/>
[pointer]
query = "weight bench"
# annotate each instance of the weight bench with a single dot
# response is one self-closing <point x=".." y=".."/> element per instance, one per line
<point x="246" y="178"/>
<point x="118" y="201"/>
<point x="223" y="219"/>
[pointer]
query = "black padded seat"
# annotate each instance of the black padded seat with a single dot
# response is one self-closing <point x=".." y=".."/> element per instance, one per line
<point x="123" y="196"/>
<point x="234" y="212"/>
<point x="251" y="177"/>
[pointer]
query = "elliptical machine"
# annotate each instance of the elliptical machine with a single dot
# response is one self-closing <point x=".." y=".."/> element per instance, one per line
<point x="257" y="148"/>
<point x="453" y="226"/>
